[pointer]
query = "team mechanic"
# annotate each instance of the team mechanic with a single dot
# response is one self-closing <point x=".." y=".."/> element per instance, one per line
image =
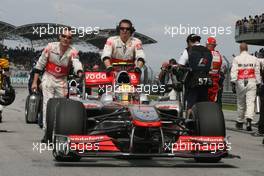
<point x="124" y="47"/>
<point x="199" y="59"/>
<point x="245" y="78"/>
<point x="215" y="69"/>
<point x="57" y="59"/>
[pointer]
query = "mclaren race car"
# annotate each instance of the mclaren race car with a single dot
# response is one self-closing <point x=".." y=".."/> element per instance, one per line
<point x="119" y="120"/>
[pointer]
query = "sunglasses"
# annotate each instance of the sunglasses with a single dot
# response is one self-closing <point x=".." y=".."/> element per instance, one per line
<point x="125" y="28"/>
<point x="66" y="36"/>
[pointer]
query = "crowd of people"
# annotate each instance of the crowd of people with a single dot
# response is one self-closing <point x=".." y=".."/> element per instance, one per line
<point x="251" y="24"/>
<point x="24" y="58"/>
<point x="19" y="55"/>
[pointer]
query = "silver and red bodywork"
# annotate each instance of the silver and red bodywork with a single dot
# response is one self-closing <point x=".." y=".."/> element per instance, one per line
<point x="129" y="128"/>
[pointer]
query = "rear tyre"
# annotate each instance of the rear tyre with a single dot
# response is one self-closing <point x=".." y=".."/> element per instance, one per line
<point x="210" y="121"/>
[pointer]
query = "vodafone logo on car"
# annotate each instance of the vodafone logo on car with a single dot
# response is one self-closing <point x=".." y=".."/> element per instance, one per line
<point x="96" y="76"/>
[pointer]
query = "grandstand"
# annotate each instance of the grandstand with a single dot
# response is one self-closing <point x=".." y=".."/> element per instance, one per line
<point x="22" y="57"/>
<point x="250" y="30"/>
<point x="27" y="34"/>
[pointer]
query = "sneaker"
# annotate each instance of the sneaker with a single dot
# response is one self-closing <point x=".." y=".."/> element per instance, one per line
<point x="257" y="134"/>
<point x="239" y="125"/>
<point x="248" y="125"/>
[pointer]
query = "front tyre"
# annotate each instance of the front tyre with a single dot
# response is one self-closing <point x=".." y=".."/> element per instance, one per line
<point x="209" y="121"/>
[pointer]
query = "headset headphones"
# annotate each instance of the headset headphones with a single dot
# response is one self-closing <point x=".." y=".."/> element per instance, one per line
<point x="132" y="29"/>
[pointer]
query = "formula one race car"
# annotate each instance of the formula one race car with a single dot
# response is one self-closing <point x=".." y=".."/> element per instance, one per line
<point x="123" y="122"/>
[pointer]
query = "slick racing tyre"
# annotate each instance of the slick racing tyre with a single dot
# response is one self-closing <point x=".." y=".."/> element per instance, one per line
<point x="70" y="120"/>
<point x="210" y="121"/>
<point x="70" y="117"/>
<point x="50" y="117"/>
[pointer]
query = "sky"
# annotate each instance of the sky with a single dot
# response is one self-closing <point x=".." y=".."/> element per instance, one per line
<point x="154" y="18"/>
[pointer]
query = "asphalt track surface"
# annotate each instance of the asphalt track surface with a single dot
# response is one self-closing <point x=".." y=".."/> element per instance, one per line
<point x="19" y="158"/>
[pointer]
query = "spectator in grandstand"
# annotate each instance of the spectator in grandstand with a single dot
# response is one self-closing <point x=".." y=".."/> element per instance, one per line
<point x="124" y="47"/>
<point x="56" y="59"/>
<point x="251" y="24"/>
